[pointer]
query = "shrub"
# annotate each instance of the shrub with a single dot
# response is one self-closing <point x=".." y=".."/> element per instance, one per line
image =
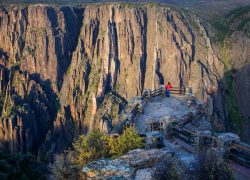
<point x="207" y="167"/>
<point x="129" y="140"/>
<point x="97" y="146"/>
<point x="89" y="148"/>
<point x="210" y="166"/>
<point x="63" y="167"/>
<point x="166" y="170"/>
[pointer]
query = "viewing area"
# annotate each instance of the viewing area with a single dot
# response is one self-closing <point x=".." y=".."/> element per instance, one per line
<point x="160" y="119"/>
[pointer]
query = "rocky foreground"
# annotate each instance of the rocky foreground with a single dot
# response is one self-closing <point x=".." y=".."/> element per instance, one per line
<point x="137" y="164"/>
<point x="179" y="140"/>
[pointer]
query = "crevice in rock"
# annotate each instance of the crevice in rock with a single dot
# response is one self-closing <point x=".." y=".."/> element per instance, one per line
<point x="143" y="61"/>
<point x="158" y="67"/>
<point x="113" y="54"/>
<point x="66" y="46"/>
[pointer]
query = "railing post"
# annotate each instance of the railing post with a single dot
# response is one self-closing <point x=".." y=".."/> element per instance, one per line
<point x="163" y="89"/>
<point x="148" y="92"/>
<point x="189" y="91"/>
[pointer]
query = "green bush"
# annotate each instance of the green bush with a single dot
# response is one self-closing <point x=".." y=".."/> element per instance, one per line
<point x="89" y="148"/>
<point x="63" y="167"/>
<point x="98" y="145"/>
<point x="167" y="170"/>
<point x="210" y="166"/>
<point x="129" y="140"/>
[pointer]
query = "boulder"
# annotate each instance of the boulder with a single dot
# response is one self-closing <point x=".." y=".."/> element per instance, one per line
<point x="136" y="164"/>
<point x="145" y="174"/>
<point x="107" y="169"/>
<point x="140" y="158"/>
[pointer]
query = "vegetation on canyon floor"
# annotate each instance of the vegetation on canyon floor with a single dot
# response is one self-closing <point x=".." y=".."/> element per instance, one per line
<point x="234" y="115"/>
<point x="21" y="166"/>
<point x="235" y="20"/>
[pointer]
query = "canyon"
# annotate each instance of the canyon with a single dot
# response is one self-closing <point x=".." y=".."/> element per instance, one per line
<point x="66" y="70"/>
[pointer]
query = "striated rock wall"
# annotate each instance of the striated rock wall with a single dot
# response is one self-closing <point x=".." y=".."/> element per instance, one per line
<point x="70" y="57"/>
<point x="36" y="44"/>
<point x="40" y="39"/>
<point x="233" y="50"/>
<point x="236" y="56"/>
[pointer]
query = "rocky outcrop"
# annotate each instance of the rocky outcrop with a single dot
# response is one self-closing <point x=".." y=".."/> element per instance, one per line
<point x="128" y="166"/>
<point x="143" y="164"/>
<point x="69" y="58"/>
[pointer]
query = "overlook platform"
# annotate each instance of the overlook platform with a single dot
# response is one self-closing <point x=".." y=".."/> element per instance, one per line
<point x="180" y="123"/>
<point x="165" y="109"/>
<point x="172" y="127"/>
<point x="176" y="109"/>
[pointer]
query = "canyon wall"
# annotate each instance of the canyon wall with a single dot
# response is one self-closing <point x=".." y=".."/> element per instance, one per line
<point x="236" y="54"/>
<point x="233" y="49"/>
<point x="66" y="70"/>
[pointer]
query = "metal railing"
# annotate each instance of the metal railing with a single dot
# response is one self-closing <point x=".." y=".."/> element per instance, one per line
<point x="137" y="107"/>
<point x="238" y="151"/>
<point x="146" y="96"/>
<point x="179" y="91"/>
<point x="157" y="92"/>
<point x="135" y="111"/>
<point x="185" y="135"/>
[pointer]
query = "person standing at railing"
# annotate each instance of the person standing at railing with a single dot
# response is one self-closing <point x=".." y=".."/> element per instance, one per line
<point x="168" y="89"/>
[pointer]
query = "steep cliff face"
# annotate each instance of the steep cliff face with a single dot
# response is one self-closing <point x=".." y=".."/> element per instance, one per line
<point x="76" y="56"/>
<point x="35" y="50"/>
<point x="236" y="51"/>
<point x="40" y="39"/>
<point x="28" y="110"/>
<point x="233" y="50"/>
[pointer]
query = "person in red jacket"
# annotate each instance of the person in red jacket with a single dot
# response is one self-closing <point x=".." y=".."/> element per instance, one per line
<point x="168" y="89"/>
